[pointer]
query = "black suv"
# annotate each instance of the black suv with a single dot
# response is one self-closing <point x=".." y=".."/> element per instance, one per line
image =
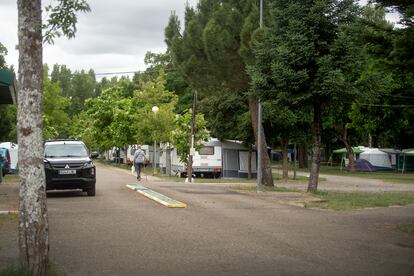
<point x="68" y="165"/>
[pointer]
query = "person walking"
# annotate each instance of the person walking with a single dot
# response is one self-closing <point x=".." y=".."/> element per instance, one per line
<point x="139" y="159"/>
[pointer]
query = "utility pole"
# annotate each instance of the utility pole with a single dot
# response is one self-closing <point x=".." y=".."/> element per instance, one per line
<point x="192" y="149"/>
<point x="259" y="126"/>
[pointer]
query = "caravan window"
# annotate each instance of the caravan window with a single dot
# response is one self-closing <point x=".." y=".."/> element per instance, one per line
<point x="206" y="151"/>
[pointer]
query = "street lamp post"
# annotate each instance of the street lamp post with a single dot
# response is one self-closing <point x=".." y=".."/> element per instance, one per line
<point x="155" y="109"/>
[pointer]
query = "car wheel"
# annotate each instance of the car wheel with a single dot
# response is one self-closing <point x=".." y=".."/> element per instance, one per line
<point x="91" y="191"/>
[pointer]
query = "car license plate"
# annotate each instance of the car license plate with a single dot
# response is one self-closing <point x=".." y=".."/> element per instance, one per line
<point x="67" y="171"/>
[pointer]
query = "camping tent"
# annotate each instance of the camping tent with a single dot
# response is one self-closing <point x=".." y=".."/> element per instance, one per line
<point x="379" y="159"/>
<point x="343" y="152"/>
<point x="406" y="160"/>
<point x="362" y="165"/>
<point x="393" y="154"/>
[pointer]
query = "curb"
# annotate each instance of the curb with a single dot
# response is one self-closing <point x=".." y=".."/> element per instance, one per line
<point x="157" y="197"/>
<point x="11" y="212"/>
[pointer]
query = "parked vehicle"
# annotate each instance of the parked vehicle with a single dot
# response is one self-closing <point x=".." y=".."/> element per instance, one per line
<point x="68" y="165"/>
<point x="5" y="161"/>
<point x="13" y="151"/>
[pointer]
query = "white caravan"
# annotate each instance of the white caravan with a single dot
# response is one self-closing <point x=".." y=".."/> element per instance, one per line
<point x="215" y="159"/>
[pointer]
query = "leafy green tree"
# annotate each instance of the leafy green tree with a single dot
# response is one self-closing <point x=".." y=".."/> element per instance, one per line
<point x="128" y="85"/>
<point x="7" y="112"/>
<point x="101" y="112"/>
<point x="359" y="78"/>
<point x="388" y="117"/>
<point x="83" y="87"/>
<point x="209" y="53"/>
<point x="62" y="18"/>
<point x="181" y="136"/>
<point x="55" y="119"/>
<point x="220" y="111"/>
<point x="82" y="128"/>
<point x="62" y="75"/>
<point x="286" y="124"/>
<point x="295" y="60"/>
<point x="148" y="126"/>
<point x="175" y="81"/>
<point x="77" y="86"/>
<point x="3" y="52"/>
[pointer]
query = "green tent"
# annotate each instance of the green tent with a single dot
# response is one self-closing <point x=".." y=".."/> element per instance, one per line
<point x="344" y="152"/>
<point x="7" y="87"/>
<point x="406" y="160"/>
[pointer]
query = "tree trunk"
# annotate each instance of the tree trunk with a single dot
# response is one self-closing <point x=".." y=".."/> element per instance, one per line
<point x="126" y="154"/>
<point x="351" y="157"/>
<point x="168" y="161"/>
<point x="33" y="222"/>
<point x="349" y="150"/>
<point x="316" y="149"/>
<point x="249" y="166"/>
<point x="267" y="178"/>
<point x="369" y="140"/>
<point x="285" y="161"/>
<point x="303" y="156"/>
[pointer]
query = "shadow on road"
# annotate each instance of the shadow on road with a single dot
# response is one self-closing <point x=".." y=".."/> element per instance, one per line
<point x="66" y="193"/>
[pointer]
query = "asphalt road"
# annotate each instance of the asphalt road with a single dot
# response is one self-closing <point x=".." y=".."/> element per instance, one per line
<point x="120" y="232"/>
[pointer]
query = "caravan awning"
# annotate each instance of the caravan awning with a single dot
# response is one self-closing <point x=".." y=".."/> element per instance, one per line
<point x="7" y="87"/>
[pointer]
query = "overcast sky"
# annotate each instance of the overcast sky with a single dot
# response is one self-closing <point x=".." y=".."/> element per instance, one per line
<point x="113" y="37"/>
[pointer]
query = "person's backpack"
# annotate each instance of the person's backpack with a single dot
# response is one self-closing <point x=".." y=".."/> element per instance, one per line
<point x="140" y="158"/>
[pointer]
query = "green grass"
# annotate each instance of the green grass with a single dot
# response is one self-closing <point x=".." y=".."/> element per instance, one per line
<point x="10" y="179"/>
<point x="18" y="270"/>
<point x="392" y="177"/>
<point x="358" y="200"/>
<point x="8" y="218"/>
<point x="266" y="189"/>
<point x="14" y="271"/>
<point x="408" y="227"/>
